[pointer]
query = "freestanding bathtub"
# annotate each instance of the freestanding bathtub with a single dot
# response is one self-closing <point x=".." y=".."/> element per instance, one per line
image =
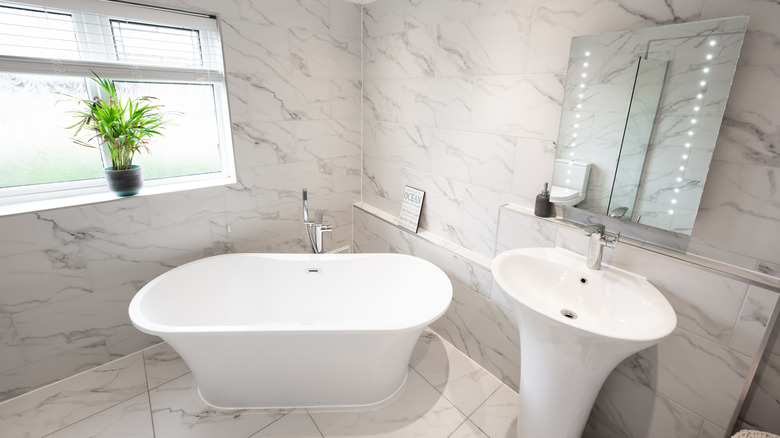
<point x="294" y="330"/>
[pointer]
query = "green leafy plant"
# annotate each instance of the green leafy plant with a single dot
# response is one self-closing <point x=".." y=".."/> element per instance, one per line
<point x="123" y="126"/>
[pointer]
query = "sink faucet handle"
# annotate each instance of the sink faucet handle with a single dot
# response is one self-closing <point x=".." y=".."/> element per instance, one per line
<point x="593" y="228"/>
<point x="611" y="240"/>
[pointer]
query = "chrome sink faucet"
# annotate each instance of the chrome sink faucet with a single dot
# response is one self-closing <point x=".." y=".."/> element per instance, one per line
<point x="314" y="228"/>
<point x="599" y="238"/>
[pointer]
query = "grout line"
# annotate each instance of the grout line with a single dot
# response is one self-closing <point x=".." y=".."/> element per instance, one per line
<point x="467" y="415"/>
<point x="148" y="393"/>
<point x="317" y="426"/>
<point x="459" y="426"/>
<point x="434" y="386"/>
<point x="269" y="424"/>
<point x="482" y="404"/>
<point x="90" y="416"/>
<point x="79" y="390"/>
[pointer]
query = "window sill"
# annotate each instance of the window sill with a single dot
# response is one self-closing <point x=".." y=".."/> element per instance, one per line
<point x="106" y="196"/>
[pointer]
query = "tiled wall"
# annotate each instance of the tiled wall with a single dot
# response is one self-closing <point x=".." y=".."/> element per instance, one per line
<point x="67" y="276"/>
<point x="462" y="100"/>
<point x="689" y="385"/>
<point x="763" y="400"/>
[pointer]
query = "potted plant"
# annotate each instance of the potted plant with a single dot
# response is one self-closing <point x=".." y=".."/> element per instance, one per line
<point x="120" y="127"/>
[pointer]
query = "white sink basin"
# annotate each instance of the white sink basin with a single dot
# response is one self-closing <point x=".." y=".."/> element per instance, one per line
<point x="576" y="324"/>
<point x="609" y="302"/>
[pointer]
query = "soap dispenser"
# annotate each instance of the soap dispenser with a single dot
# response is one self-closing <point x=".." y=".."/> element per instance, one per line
<point x="543" y="208"/>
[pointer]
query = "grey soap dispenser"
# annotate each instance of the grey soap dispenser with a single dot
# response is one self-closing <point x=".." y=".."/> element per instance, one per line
<point x="544" y="207"/>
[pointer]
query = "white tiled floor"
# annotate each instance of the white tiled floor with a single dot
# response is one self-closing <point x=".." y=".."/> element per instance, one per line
<point x="152" y="394"/>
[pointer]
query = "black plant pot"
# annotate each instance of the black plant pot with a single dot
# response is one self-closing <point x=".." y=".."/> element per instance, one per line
<point x="125" y="182"/>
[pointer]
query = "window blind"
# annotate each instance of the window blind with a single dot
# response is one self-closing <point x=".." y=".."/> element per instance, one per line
<point x="109" y="38"/>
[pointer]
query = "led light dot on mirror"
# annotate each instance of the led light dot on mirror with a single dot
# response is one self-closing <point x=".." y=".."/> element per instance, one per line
<point x="670" y="54"/>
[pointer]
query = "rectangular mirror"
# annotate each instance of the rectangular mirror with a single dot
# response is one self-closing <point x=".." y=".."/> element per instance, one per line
<point x="641" y="115"/>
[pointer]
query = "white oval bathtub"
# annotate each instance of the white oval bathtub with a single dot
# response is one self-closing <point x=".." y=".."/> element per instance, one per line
<point x="288" y="330"/>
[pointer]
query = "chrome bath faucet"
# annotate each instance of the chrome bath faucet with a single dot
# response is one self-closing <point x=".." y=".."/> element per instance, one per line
<point x="314" y="228"/>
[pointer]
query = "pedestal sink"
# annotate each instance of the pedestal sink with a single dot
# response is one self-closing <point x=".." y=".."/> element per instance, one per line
<point x="576" y="324"/>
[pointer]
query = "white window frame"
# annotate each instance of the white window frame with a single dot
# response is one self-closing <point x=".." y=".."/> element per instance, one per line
<point x="20" y="199"/>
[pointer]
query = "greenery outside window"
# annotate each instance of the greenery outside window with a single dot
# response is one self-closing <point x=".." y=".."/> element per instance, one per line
<point x="50" y="48"/>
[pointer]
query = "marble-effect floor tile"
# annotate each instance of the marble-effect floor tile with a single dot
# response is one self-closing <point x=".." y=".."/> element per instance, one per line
<point x="130" y="419"/>
<point x="433" y="415"/>
<point x="163" y="364"/>
<point x="446" y="395"/>
<point x="468" y="430"/>
<point x="178" y="411"/>
<point x="296" y="424"/>
<point x="56" y="406"/>
<point x="497" y="417"/>
<point x="458" y="378"/>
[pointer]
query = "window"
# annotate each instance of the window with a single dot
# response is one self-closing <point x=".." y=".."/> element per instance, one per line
<point x="50" y="49"/>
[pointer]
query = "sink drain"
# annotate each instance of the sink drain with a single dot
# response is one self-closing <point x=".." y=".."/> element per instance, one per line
<point x="569" y="314"/>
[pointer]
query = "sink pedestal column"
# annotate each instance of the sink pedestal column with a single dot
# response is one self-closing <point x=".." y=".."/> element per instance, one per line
<point x="562" y="370"/>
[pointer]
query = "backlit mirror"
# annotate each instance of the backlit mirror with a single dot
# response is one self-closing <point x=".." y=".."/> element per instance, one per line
<point x="641" y="114"/>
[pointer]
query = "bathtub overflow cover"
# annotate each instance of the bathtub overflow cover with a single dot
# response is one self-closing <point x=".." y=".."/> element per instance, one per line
<point x="569" y="314"/>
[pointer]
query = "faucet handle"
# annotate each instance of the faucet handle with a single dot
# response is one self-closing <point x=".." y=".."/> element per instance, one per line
<point x="618" y="212"/>
<point x="593" y="228"/>
<point x="611" y="240"/>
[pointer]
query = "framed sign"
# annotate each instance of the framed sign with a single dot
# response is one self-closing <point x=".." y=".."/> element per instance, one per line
<point x="411" y="206"/>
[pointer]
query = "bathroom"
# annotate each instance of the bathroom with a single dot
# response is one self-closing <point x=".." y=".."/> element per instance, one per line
<point x="461" y="99"/>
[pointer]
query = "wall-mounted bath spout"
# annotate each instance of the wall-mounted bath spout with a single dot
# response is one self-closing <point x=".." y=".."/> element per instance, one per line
<point x="314" y="228"/>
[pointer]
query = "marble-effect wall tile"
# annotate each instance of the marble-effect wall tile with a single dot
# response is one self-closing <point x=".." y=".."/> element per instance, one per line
<point x="754" y="319"/>
<point x="474" y="324"/>
<point x="628" y="409"/>
<point x="414" y="46"/>
<point x="293" y="72"/>
<point x="674" y="369"/>
<point x="760" y="409"/>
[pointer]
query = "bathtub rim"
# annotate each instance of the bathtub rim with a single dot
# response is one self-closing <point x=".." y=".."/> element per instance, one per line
<point x="144" y="324"/>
